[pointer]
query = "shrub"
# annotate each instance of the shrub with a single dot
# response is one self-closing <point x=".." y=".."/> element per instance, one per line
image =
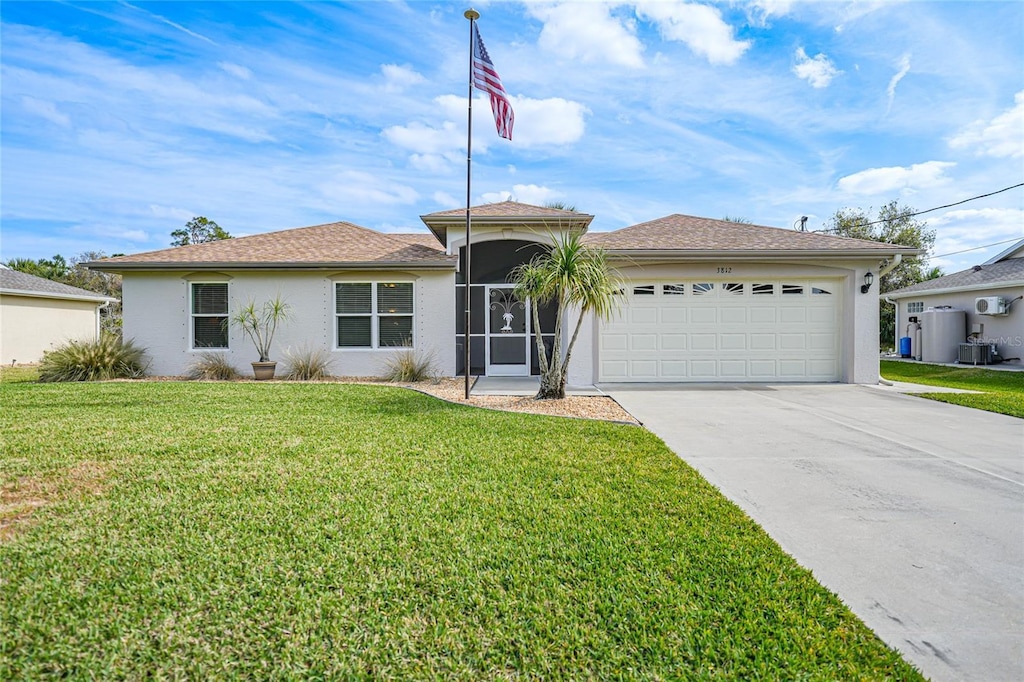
<point x="410" y="365"/>
<point x="307" y="364"/>
<point x="107" y="358"/>
<point x="212" y="367"/>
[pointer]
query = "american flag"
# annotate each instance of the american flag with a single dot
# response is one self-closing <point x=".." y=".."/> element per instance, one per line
<point x="486" y="78"/>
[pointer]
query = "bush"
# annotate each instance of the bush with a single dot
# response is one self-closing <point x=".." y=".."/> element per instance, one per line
<point x="307" y="364"/>
<point x="212" y="367"/>
<point x="410" y="365"/>
<point x="107" y="358"/>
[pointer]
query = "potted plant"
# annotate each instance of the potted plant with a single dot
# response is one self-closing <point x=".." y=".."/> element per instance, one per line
<point x="259" y="324"/>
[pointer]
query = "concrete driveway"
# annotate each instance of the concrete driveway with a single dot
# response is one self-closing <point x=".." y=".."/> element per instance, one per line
<point x="911" y="510"/>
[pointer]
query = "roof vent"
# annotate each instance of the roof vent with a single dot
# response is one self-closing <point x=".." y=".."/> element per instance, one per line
<point x="977" y="268"/>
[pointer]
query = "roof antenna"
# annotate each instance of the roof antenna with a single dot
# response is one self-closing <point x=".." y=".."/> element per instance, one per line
<point x="803" y="223"/>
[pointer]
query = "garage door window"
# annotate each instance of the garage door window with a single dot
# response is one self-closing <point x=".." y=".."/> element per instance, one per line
<point x="791" y="289"/>
<point x="646" y="290"/>
<point x="703" y="288"/>
<point x="763" y="289"/>
<point x="673" y="289"/>
<point x="817" y="291"/>
<point x="734" y="288"/>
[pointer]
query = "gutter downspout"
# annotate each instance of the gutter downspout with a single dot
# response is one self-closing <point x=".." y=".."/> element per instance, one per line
<point x="882" y="271"/>
<point x="100" y="307"/>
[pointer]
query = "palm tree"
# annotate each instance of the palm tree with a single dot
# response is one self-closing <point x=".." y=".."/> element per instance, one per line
<point x="572" y="275"/>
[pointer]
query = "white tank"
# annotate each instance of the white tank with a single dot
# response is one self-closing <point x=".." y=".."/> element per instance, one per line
<point x="942" y="331"/>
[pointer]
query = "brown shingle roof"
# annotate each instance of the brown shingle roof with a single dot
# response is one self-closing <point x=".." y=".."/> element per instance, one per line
<point x="1005" y="273"/>
<point x="334" y="244"/>
<point x="688" y="233"/>
<point x="504" y="209"/>
<point x="421" y="238"/>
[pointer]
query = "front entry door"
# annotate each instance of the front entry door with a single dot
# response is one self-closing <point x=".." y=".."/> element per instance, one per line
<point x="508" y="333"/>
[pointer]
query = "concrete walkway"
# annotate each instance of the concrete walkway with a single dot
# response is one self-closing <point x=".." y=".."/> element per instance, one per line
<point x="911" y="510"/>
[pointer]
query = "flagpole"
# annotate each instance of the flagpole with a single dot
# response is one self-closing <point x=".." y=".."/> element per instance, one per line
<point x="472" y="15"/>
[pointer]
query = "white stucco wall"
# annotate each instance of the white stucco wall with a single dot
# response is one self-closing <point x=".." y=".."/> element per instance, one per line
<point x="858" y="312"/>
<point x="157" y="317"/>
<point x="1006" y="331"/>
<point x="31" y="325"/>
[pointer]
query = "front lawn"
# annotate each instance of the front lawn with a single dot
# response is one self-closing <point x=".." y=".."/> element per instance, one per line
<point x="295" y="531"/>
<point x="1002" y="391"/>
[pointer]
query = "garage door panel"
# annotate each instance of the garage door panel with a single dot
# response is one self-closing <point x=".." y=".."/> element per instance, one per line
<point x="702" y="342"/>
<point x="706" y="315"/>
<point x="732" y="341"/>
<point x="732" y="315"/>
<point x="734" y="335"/>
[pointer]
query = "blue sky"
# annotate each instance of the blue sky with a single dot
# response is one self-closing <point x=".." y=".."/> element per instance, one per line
<point x="121" y="121"/>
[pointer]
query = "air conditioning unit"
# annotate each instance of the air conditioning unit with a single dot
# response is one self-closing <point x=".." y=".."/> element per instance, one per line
<point x="990" y="305"/>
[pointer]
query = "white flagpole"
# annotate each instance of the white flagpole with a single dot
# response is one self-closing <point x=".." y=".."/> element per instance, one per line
<point x="472" y="15"/>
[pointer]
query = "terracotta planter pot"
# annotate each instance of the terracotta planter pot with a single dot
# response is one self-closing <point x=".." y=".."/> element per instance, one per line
<point x="264" y="370"/>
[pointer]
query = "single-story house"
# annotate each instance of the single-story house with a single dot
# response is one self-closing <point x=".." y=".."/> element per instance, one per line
<point x="706" y="300"/>
<point x="990" y="295"/>
<point x="37" y="315"/>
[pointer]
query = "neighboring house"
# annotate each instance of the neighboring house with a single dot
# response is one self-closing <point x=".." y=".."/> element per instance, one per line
<point x="973" y="291"/>
<point x="38" y="314"/>
<point x="707" y="300"/>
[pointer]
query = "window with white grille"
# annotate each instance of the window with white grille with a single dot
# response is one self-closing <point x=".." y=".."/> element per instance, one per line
<point x="374" y="314"/>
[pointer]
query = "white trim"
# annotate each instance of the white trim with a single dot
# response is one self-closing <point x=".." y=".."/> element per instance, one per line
<point x="192" y="316"/>
<point x="1004" y="254"/>
<point x="46" y="294"/>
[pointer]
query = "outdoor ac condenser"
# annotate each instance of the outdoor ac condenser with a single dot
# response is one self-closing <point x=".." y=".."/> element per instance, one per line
<point x="990" y="305"/>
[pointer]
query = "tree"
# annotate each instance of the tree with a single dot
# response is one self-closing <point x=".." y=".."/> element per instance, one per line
<point x="572" y="275"/>
<point x="561" y="206"/>
<point x="199" y="230"/>
<point x="729" y="219"/>
<point x="894" y="225"/>
<point x="55" y="268"/>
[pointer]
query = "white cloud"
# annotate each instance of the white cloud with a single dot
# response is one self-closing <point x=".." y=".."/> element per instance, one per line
<point x="525" y="194"/>
<point x="47" y="110"/>
<point x="235" y="70"/>
<point x="588" y="33"/>
<point x="895" y="80"/>
<point x="970" y="228"/>
<point x="762" y="10"/>
<point x="884" y="180"/>
<point x="349" y="189"/>
<point x="398" y="78"/>
<point x="700" y="27"/>
<point x="445" y="139"/>
<point x="1003" y="136"/>
<point x="178" y="214"/>
<point x="552" y="121"/>
<point x="446" y="200"/>
<point x="818" y="71"/>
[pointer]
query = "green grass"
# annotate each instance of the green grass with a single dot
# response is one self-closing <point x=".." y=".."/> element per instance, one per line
<point x="290" y="531"/>
<point x="1002" y="391"/>
<point x="12" y="374"/>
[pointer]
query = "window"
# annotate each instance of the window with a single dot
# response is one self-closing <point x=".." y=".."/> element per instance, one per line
<point x="792" y="289"/>
<point x="915" y="307"/>
<point x="209" y="315"/>
<point x="373" y="314"/>
<point x="816" y="291"/>
<point x="703" y="288"/>
<point x="673" y="289"/>
<point x="645" y="290"/>
<point x="734" y="288"/>
<point x="762" y="289"/>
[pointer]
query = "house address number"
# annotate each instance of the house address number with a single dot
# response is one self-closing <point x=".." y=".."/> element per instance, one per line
<point x="724" y="270"/>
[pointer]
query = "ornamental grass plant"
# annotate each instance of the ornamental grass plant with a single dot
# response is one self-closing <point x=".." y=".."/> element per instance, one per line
<point x="108" y="357"/>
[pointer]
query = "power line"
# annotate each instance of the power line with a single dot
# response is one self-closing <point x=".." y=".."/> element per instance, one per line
<point x="977" y="248"/>
<point x="937" y="208"/>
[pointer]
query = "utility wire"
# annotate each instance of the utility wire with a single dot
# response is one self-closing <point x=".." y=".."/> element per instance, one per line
<point x="977" y="248"/>
<point x="937" y="208"/>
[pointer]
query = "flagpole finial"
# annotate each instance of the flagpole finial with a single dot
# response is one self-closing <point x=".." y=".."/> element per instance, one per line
<point x="471" y="14"/>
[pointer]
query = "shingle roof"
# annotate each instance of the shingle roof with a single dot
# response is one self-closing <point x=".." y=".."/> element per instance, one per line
<point x="1009" y="272"/>
<point x="504" y="209"/>
<point x="13" y="281"/>
<point x="688" y="233"/>
<point x="334" y="244"/>
<point x="421" y="238"/>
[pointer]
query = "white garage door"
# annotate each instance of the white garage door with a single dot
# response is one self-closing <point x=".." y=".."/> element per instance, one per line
<point x="781" y="330"/>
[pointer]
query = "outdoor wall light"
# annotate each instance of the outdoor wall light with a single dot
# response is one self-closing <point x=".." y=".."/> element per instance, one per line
<point x="868" y="281"/>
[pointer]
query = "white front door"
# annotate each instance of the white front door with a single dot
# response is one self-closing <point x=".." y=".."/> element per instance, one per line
<point x="507" y="333"/>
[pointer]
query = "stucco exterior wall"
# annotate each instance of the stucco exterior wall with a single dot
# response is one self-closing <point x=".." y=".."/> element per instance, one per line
<point x="30" y="325"/>
<point x="858" y="312"/>
<point x="1005" y="331"/>
<point x="157" y="317"/>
